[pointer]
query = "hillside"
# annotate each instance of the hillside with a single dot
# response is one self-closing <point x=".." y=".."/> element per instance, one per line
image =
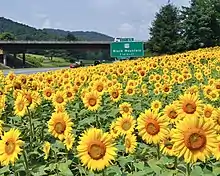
<point x="25" y="32"/>
<point x="82" y="35"/>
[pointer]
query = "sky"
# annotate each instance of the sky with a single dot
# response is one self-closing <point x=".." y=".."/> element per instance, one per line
<point x="116" y="18"/>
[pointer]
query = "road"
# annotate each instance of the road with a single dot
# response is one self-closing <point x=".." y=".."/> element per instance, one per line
<point x="31" y="70"/>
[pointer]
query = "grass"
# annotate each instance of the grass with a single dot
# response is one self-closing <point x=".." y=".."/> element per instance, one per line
<point x="45" y="62"/>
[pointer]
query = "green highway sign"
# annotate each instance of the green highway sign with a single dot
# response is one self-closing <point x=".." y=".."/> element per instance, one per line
<point x="127" y="49"/>
<point x="126" y="39"/>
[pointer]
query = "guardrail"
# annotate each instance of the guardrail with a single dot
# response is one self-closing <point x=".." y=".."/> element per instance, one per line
<point x="58" y="42"/>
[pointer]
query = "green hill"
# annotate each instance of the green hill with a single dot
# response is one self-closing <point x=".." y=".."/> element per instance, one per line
<point x="25" y="32"/>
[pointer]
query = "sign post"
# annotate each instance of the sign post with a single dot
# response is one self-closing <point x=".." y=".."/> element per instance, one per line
<point x="127" y="49"/>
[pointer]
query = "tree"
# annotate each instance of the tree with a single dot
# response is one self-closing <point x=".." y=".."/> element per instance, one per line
<point x="201" y="24"/>
<point x="7" y="36"/>
<point x="71" y="37"/>
<point x="165" y="31"/>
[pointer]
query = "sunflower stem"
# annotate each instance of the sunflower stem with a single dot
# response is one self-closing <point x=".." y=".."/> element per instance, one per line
<point x="26" y="163"/>
<point x="158" y="151"/>
<point x="55" y="155"/>
<point x="188" y="170"/>
<point x="31" y="128"/>
<point x="175" y="162"/>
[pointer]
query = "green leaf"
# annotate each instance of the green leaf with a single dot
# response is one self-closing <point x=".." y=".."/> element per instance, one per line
<point x="139" y="166"/>
<point x="113" y="170"/>
<point x="216" y="170"/>
<point x="4" y="170"/>
<point x="64" y="169"/>
<point x="153" y="165"/>
<point x="196" y="171"/>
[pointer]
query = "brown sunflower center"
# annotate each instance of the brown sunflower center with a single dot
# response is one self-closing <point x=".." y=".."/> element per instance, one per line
<point x="127" y="143"/>
<point x="126" y="125"/>
<point x="59" y="99"/>
<point x="20" y="106"/>
<point x="166" y="89"/>
<point x="208" y="113"/>
<point x="189" y="108"/>
<point x="214" y="95"/>
<point x="115" y="94"/>
<point x="48" y="94"/>
<point x="9" y="147"/>
<point x="23" y="80"/>
<point x="172" y="114"/>
<point x="142" y="73"/>
<point x="126" y="109"/>
<point x="60" y="127"/>
<point x="195" y="139"/>
<point x="1" y="93"/>
<point x="168" y="144"/>
<point x="92" y="101"/>
<point x="69" y="94"/>
<point x="96" y="150"/>
<point x="152" y="127"/>
<point x="218" y="86"/>
<point x="218" y="120"/>
<point x="130" y="91"/>
<point x="29" y="98"/>
<point x="156" y="105"/>
<point x="99" y="88"/>
<point x="17" y="86"/>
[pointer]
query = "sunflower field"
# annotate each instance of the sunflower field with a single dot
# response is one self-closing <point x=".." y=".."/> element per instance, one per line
<point x="150" y="116"/>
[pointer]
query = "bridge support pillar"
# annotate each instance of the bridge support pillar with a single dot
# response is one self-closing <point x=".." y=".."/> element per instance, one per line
<point x="4" y="59"/>
<point x="23" y="58"/>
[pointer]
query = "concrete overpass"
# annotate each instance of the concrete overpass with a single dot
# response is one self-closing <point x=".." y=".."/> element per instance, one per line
<point x="15" y="47"/>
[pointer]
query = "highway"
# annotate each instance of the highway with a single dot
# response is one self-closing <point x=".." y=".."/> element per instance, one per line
<point x="31" y="70"/>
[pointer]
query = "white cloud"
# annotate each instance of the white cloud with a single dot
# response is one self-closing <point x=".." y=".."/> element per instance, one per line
<point x="126" y="28"/>
<point x="46" y="23"/>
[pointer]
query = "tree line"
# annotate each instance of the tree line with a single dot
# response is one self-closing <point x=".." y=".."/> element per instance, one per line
<point x="188" y="28"/>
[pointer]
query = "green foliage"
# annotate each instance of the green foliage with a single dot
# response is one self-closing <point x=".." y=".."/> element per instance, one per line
<point x="201" y="24"/>
<point x="7" y="36"/>
<point x="192" y="27"/>
<point x="165" y="30"/>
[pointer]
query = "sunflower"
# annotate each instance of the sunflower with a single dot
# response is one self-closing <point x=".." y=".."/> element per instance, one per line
<point x="156" y="105"/>
<point x="46" y="149"/>
<point x="1" y="128"/>
<point x="216" y="118"/>
<point x="60" y="125"/>
<point x="99" y="86"/>
<point x="33" y="98"/>
<point x="48" y="93"/>
<point x="115" y="133"/>
<point x="129" y="90"/>
<point x="125" y="108"/>
<point x="115" y="93"/>
<point x="208" y="111"/>
<point x="92" y="100"/>
<point x="216" y="150"/>
<point x="69" y="140"/>
<point x="10" y="146"/>
<point x="152" y="127"/>
<point x="2" y="103"/>
<point x="125" y="124"/>
<point x="20" y="106"/>
<point x="166" y="146"/>
<point x="96" y="149"/>
<point x="194" y="139"/>
<point x="130" y="143"/>
<point x="59" y="98"/>
<point x="170" y="113"/>
<point x="189" y="105"/>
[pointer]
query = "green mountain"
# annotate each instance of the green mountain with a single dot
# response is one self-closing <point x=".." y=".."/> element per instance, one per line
<point x="25" y="32"/>
<point x="82" y="35"/>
